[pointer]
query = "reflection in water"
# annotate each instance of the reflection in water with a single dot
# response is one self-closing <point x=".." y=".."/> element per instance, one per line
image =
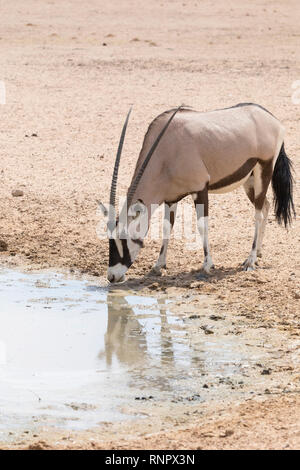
<point x="167" y="348"/>
<point x="134" y="335"/>
<point x="159" y="348"/>
<point x="151" y="342"/>
<point x="125" y="337"/>
<point x="67" y="342"/>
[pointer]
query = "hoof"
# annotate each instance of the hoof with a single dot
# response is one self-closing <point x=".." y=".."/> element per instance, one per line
<point x="156" y="270"/>
<point x="207" y="268"/>
<point x="248" y="265"/>
<point x="249" y="268"/>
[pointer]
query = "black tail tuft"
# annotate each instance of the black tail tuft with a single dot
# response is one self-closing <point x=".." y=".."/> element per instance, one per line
<point x="282" y="183"/>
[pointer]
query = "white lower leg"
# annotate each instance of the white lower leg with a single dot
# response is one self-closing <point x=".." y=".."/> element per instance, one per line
<point x="249" y="264"/>
<point x="203" y="230"/>
<point x="161" y="262"/>
<point x="265" y="212"/>
<point x="167" y="229"/>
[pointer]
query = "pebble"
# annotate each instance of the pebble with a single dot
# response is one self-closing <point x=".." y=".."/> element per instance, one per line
<point x="227" y="433"/>
<point x="266" y="372"/>
<point x="207" y="330"/>
<point x="3" y="245"/>
<point x="216" y="317"/>
<point x="17" y="193"/>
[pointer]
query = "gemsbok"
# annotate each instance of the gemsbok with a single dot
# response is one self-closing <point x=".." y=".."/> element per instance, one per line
<point x="186" y="152"/>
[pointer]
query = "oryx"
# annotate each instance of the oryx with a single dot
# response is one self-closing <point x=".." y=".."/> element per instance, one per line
<point x="186" y="152"/>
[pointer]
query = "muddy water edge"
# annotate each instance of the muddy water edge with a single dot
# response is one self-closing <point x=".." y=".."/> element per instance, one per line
<point x="77" y="356"/>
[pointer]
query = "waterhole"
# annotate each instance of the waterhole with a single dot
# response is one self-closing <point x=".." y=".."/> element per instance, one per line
<point x="73" y="354"/>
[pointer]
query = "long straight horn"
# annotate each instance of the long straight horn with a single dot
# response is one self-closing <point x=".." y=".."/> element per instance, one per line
<point x="137" y="179"/>
<point x="113" y="189"/>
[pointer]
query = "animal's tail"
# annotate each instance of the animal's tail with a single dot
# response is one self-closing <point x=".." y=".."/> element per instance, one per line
<point x="282" y="183"/>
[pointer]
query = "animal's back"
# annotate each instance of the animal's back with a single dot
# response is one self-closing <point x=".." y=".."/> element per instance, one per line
<point x="227" y="139"/>
<point x="221" y="140"/>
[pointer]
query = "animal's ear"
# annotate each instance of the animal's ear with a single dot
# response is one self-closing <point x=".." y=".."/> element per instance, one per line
<point x="137" y="209"/>
<point x="103" y="209"/>
<point x="138" y="227"/>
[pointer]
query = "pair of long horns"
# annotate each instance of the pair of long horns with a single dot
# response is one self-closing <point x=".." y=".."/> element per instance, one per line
<point x="138" y="177"/>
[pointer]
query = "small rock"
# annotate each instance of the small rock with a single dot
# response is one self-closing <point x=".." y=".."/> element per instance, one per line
<point x="154" y="286"/>
<point x="17" y="193"/>
<point x="80" y="406"/>
<point x="207" y="330"/>
<point x="216" y="317"/>
<point x="150" y="397"/>
<point x="193" y="397"/>
<point x="227" y="433"/>
<point x="40" y="445"/>
<point x="266" y="372"/>
<point x="195" y="285"/>
<point x="32" y="135"/>
<point x="3" y="245"/>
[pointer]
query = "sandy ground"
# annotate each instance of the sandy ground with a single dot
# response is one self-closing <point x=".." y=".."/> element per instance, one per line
<point x="235" y="428"/>
<point x="71" y="70"/>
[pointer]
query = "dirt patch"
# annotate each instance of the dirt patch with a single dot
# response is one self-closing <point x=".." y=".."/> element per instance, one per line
<point x="234" y="427"/>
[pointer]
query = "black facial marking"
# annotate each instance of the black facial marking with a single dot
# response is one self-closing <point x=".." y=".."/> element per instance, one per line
<point x="114" y="255"/>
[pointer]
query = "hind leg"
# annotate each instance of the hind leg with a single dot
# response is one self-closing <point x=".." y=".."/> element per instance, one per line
<point x="256" y="189"/>
<point x="265" y="211"/>
<point x="249" y="189"/>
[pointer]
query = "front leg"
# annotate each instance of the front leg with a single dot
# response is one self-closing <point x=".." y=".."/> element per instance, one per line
<point x="169" y="220"/>
<point x="201" y="206"/>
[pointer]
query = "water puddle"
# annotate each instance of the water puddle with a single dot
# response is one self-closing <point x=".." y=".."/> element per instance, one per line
<point x="74" y="355"/>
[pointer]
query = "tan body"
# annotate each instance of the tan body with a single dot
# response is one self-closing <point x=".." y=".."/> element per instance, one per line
<point x="202" y="149"/>
<point x="186" y="152"/>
